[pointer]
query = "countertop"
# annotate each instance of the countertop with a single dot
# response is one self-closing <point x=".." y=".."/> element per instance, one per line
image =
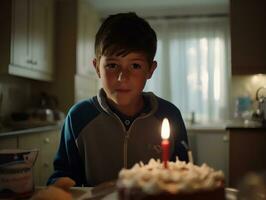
<point x="225" y="125"/>
<point x="85" y="193"/>
<point x="9" y="131"/>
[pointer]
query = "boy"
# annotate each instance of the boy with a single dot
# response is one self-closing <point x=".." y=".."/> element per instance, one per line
<point x="121" y="125"/>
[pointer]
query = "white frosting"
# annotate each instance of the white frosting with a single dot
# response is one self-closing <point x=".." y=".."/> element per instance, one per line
<point x="178" y="177"/>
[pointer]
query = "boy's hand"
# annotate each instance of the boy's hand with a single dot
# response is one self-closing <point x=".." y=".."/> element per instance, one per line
<point x="64" y="183"/>
<point x="57" y="191"/>
<point x="53" y="193"/>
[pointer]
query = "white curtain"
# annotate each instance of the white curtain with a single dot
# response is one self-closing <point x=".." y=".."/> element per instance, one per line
<point x="193" y="66"/>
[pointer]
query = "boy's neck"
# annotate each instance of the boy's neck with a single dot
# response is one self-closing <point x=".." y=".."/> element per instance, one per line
<point x="129" y="110"/>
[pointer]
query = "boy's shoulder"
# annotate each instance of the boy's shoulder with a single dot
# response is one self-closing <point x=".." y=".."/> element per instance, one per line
<point x="82" y="113"/>
<point x="164" y="107"/>
<point x="166" y="104"/>
<point x="86" y="109"/>
<point x="83" y="105"/>
<point x="163" y="104"/>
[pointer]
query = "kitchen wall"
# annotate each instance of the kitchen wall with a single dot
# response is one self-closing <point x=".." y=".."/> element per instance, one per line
<point x="245" y="85"/>
<point x="86" y="87"/>
<point x="75" y="28"/>
<point x="15" y="94"/>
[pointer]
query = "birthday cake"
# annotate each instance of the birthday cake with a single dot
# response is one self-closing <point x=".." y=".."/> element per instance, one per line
<point x="180" y="180"/>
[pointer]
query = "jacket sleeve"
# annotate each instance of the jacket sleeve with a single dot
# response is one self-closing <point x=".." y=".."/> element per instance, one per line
<point x="67" y="162"/>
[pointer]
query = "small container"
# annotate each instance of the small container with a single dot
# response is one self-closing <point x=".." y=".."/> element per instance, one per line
<point x="16" y="177"/>
<point x="243" y="105"/>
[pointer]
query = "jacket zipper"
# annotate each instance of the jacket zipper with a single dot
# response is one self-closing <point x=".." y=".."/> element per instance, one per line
<point x="125" y="149"/>
<point x="125" y="140"/>
<point x="127" y="136"/>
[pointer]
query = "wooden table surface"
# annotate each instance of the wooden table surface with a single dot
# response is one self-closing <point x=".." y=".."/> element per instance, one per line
<point x="84" y="193"/>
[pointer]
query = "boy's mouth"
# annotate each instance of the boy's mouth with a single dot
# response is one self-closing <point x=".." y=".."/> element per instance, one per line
<point x="122" y="90"/>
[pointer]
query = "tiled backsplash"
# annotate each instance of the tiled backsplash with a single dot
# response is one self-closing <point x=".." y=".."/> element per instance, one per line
<point x="85" y="87"/>
<point x="15" y="93"/>
<point x="20" y="94"/>
<point x="245" y="85"/>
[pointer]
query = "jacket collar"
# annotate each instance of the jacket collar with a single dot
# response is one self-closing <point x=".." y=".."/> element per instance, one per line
<point x="151" y="97"/>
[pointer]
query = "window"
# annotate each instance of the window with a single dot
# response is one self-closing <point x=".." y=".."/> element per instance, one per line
<point x="193" y="67"/>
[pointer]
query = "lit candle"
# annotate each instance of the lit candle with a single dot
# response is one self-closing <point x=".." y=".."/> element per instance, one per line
<point x="165" y="133"/>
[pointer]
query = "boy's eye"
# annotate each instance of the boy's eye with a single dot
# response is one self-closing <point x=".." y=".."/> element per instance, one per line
<point x="111" y="66"/>
<point x="136" y="66"/>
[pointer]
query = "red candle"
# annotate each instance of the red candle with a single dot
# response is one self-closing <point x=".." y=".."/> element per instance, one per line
<point x="165" y="133"/>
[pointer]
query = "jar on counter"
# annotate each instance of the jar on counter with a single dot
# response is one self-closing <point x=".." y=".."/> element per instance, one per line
<point x="243" y="107"/>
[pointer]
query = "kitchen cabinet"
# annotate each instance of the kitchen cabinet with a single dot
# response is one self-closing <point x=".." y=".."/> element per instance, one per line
<point x="87" y="27"/>
<point x="235" y="151"/>
<point x="31" y="39"/>
<point x="248" y="37"/>
<point x="247" y="152"/>
<point x="30" y="43"/>
<point x="210" y="147"/>
<point x="85" y="77"/>
<point x="9" y="142"/>
<point x="75" y="27"/>
<point x="47" y="143"/>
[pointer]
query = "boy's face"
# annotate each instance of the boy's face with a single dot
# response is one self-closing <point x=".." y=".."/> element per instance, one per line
<point x="123" y="77"/>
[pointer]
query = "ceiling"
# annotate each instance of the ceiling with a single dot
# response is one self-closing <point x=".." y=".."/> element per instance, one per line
<point x="156" y="8"/>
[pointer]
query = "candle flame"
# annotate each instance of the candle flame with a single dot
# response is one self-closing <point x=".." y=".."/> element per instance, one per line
<point x="165" y="133"/>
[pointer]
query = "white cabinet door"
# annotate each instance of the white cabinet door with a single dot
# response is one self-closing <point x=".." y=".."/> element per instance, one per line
<point x="38" y="28"/>
<point x="47" y="143"/>
<point x="49" y="38"/>
<point x="31" y="39"/>
<point x="20" y="43"/>
<point x="41" y="28"/>
<point x="31" y="141"/>
<point x="87" y="27"/>
<point x="212" y="148"/>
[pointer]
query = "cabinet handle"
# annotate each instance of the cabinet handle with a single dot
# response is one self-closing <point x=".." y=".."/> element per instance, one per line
<point x="47" y="140"/>
<point x="29" y="61"/>
<point x="225" y="138"/>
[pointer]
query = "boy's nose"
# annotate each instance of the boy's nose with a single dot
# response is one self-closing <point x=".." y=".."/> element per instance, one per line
<point x="123" y="75"/>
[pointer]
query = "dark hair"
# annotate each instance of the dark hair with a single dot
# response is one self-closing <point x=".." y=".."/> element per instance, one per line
<point x="123" y="33"/>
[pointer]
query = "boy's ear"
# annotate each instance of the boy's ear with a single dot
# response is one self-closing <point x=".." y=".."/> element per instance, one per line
<point x="95" y="64"/>
<point x="151" y="70"/>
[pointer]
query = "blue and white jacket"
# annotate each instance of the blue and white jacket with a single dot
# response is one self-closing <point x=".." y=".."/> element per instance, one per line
<point x="95" y="145"/>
